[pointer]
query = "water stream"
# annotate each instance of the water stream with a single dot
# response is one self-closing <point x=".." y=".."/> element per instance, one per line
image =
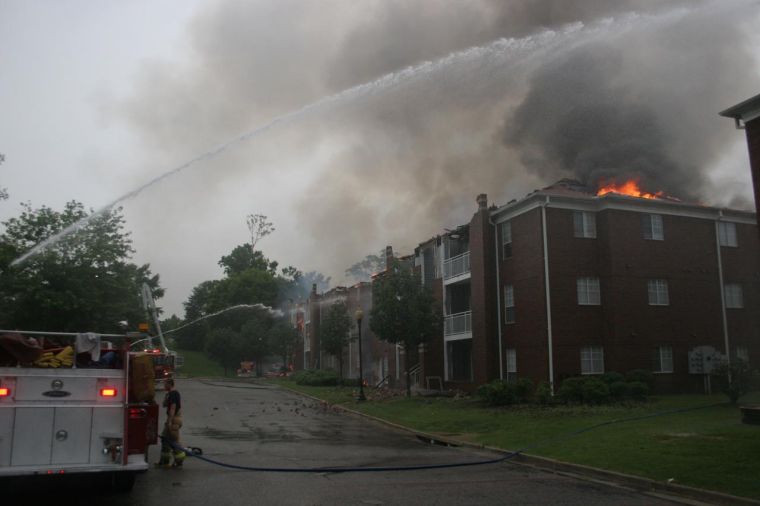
<point x="273" y="312"/>
<point x="500" y="55"/>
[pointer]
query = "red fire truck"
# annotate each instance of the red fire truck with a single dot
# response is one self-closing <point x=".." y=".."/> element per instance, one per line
<point x="61" y="412"/>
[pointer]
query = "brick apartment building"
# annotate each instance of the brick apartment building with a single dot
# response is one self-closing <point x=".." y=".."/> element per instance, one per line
<point x="382" y="362"/>
<point x="565" y="282"/>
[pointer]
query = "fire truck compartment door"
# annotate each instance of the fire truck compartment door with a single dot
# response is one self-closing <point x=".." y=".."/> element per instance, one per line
<point x="71" y="435"/>
<point x="32" y="436"/>
<point x="6" y="435"/>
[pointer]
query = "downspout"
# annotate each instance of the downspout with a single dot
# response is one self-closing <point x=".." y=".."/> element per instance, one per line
<point x="548" y="296"/>
<point x="498" y="296"/>
<point x="441" y="261"/>
<point x="722" y="288"/>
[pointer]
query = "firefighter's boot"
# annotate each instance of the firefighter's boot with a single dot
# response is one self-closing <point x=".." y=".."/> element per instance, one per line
<point x="179" y="458"/>
<point x="165" y="461"/>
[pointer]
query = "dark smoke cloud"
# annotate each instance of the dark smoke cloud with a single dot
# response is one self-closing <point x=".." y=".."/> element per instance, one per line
<point x="409" y="161"/>
<point x="635" y="109"/>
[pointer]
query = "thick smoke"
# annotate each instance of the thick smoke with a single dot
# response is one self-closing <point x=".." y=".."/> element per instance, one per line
<point x="397" y="166"/>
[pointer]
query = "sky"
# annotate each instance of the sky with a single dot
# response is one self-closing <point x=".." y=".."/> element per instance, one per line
<point x="356" y="125"/>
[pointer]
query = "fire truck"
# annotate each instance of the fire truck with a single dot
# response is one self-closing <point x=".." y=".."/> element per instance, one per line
<point x="65" y="410"/>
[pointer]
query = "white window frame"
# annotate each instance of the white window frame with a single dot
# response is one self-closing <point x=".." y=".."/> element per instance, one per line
<point x="511" y="364"/>
<point x="584" y="224"/>
<point x="506" y="239"/>
<point x="664" y="363"/>
<point x="592" y="360"/>
<point x="652" y="227"/>
<point x="727" y="234"/>
<point x="589" y="293"/>
<point x="509" y="303"/>
<point x="657" y="292"/>
<point x="734" y="294"/>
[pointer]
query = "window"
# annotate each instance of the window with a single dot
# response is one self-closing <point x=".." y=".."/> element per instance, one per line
<point x="658" y="292"/>
<point x="511" y="364"/>
<point x="509" y="303"/>
<point x="651" y="227"/>
<point x="584" y="224"/>
<point x="506" y="239"/>
<point x="734" y="296"/>
<point x="588" y="291"/>
<point x="727" y="234"/>
<point x="592" y="360"/>
<point x="663" y="359"/>
<point x="742" y="353"/>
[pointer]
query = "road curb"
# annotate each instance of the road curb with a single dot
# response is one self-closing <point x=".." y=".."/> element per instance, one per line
<point x="673" y="491"/>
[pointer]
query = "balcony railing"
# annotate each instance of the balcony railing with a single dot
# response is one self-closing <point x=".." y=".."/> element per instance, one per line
<point x="459" y="323"/>
<point x="456" y="266"/>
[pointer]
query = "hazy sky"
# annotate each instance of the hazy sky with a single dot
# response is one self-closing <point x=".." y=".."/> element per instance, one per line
<point x="99" y="97"/>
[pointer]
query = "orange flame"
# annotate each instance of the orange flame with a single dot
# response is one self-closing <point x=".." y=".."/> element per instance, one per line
<point x="630" y="188"/>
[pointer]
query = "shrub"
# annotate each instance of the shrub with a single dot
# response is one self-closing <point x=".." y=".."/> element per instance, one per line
<point x="638" y="390"/>
<point x="612" y="377"/>
<point x="641" y="375"/>
<point x="619" y="390"/>
<point x="595" y="391"/>
<point x="498" y="393"/>
<point x="544" y="394"/>
<point x="524" y="389"/>
<point x="317" y="377"/>
<point x="737" y="376"/>
<point x="571" y="390"/>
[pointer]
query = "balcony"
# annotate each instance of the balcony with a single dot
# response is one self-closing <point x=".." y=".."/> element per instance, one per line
<point x="459" y="323"/>
<point x="457" y="267"/>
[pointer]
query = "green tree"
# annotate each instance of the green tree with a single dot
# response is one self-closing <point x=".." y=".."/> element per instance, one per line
<point x="283" y="339"/>
<point x="259" y="227"/>
<point x="193" y="337"/>
<point x="364" y="269"/>
<point x="85" y="281"/>
<point x="255" y="334"/>
<point x="334" y="331"/>
<point x="242" y="258"/>
<point x="403" y="311"/>
<point x="227" y="347"/>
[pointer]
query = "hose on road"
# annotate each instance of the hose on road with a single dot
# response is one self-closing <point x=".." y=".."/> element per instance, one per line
<point x="197" y="453"/>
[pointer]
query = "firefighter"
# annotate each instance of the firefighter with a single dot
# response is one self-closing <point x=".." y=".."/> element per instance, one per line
<point x="170" y="435"/>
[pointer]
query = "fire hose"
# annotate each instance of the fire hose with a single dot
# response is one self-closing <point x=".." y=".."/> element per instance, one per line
<point x="197" y="453"/>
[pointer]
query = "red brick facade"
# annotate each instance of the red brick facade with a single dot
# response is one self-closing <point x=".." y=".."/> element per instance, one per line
<point x="629" y="328"/>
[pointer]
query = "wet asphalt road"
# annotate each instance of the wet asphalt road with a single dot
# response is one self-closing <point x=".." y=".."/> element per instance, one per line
<point x="250" y="425"/>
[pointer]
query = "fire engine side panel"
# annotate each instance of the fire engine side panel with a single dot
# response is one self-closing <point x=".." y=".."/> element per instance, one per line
<point x="71" y="435"/>
<point x="107" y="427"/>
<point x="62" y="417"/>
<point x="32" y="436"/>
<point x="6" y="435"/>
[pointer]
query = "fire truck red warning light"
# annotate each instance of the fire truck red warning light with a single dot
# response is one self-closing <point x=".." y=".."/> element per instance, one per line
<point x="5" y="392"/>
<point x="108" y="392"/>
<point x="630" y="188"/>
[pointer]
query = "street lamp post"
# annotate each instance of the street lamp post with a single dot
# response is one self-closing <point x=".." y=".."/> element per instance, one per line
<point x="359" y="315"/>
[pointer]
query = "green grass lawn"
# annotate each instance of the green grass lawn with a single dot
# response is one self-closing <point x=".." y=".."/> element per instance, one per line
<point x="198" y="364"/>
<point x="708" y="448"/>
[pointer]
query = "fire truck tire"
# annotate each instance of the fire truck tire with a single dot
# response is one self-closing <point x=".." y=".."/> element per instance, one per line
<point x="122" y="482"/>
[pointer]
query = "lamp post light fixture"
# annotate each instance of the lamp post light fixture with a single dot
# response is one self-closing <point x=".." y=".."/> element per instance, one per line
<point x="359" y="315"/>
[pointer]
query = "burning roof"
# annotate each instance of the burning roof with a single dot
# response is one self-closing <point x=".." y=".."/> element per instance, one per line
<point x="628" y="188"/>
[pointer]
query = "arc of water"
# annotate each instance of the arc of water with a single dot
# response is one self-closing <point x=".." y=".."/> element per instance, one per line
<point x="274" y="312"/>
<point x="526" y="46"/>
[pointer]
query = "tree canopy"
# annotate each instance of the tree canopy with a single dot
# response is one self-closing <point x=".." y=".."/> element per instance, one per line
<point x="403" y="310"/>
<point x="334" y="331"/>
<point x="364" y="269"/>
<point x="84" y="282"/>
